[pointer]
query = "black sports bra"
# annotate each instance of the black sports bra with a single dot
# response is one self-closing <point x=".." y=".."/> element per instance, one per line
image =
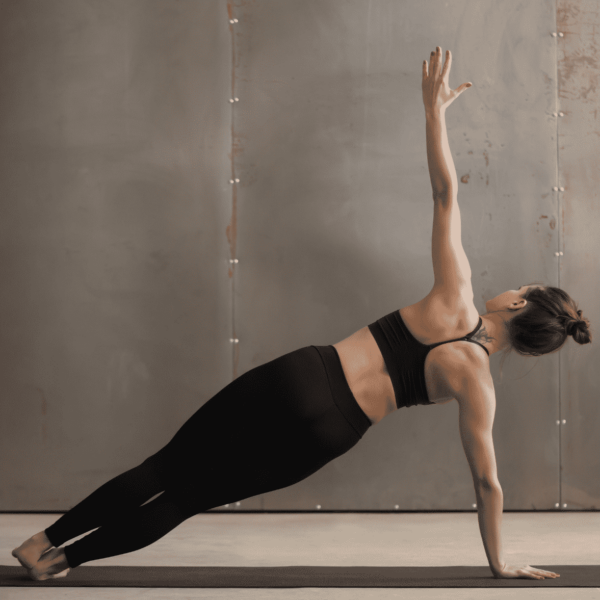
<point x="404" y="357"/>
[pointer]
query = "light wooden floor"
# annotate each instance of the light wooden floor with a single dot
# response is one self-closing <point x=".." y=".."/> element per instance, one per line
<point x="251" y="539"/>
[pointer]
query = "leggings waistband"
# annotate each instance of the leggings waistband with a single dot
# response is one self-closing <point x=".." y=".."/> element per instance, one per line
<point x="342" y="394"/>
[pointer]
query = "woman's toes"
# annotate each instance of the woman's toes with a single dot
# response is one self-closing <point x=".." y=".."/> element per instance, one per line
<point x="51" y="563"/>
<point x="25" y="556"/>
<point x="30" y="551"/>
<point x="61" y="574"/>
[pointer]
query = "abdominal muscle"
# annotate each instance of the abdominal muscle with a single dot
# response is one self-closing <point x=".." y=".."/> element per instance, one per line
<point x="367" y="375"/>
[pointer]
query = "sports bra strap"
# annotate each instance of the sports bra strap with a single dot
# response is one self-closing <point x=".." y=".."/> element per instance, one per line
<point x="467" y="338"/>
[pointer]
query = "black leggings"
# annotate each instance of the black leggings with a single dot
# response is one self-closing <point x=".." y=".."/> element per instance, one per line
<point x="268" y="429"/>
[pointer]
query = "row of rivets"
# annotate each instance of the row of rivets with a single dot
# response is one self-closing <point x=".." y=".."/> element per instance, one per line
<point x="233" y="261"/>
<point x="563" y="421"/>
<point x="557" y="505"/>
<point x="555" y="188"/>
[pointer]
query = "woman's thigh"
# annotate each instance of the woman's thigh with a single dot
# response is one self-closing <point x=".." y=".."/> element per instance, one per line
<point x="269" y="428"/>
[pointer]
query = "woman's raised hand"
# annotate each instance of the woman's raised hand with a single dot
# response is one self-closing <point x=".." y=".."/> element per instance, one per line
<point x="437" y="95"/>
<point x="525" y="571"/>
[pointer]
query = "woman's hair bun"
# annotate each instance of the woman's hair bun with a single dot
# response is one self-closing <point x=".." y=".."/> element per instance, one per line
<point x="578" y="328"/>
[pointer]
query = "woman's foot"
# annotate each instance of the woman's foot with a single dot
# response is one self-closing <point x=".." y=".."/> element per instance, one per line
<point x="52" y="564"/>
<point x="29" y="552"/>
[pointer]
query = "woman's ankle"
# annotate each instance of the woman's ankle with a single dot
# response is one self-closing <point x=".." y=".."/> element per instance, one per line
<point x="42" y="538"/>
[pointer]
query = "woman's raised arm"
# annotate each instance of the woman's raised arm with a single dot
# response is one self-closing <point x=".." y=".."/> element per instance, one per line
<point x="437" y="96"/>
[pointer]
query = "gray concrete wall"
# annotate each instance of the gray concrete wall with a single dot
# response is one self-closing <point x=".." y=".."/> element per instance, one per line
<point x="116" y="297"/>
<point x="118" y="143"/>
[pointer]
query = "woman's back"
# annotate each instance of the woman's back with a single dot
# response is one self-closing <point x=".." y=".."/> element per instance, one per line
<point x="431" y="320"/>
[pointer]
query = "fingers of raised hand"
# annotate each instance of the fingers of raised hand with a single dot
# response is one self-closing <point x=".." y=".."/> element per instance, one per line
<point x="436" y="61"/>
<point x="436" y="58"/>
<point x="447" y="64"/>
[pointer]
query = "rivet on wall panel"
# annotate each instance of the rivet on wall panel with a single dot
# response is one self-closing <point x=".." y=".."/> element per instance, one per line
<point x="238" y="503"/>
<point x="554" y="34"/>
<point x="559" y="35"/>
<point x="564" y="421"/>
<point x="318" y="507"/>
<point x="396" y="507"/>
<point x="474" y="505"/>
<point x="557" y="505"/>
<point x="564" y="506"/>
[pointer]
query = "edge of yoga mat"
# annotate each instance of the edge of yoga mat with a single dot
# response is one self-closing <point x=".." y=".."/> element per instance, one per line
<point x="299" y="576"/>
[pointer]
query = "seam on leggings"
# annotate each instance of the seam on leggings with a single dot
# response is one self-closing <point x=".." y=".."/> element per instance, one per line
<point x="333" y="395"/>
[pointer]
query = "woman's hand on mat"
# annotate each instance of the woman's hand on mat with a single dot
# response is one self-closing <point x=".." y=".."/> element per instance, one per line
<point x="525" y="571"/>
<point x="437" y="95"/>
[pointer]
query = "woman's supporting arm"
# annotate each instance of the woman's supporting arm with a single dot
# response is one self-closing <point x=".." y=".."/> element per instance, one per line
<point x="439" y="158"/>
<point x="489" y="511"/>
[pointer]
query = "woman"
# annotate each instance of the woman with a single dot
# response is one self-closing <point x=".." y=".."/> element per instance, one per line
<point x="282" y="421"/>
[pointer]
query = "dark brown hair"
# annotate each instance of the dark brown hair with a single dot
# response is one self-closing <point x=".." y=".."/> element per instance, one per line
<point x="549" y="317"/>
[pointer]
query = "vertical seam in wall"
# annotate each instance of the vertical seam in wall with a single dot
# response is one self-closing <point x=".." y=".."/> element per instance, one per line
<point x="232" y="227"/>
<point x="559" y="240"/>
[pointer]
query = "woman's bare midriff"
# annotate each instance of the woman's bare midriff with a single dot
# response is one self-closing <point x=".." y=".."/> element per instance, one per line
<point x="365" y="368"/>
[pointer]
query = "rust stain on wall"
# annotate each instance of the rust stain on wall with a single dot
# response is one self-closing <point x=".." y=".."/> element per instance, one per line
<point x="465" y="178"/>
<point x="487" y="160"/>
<point x="578" y="72"/>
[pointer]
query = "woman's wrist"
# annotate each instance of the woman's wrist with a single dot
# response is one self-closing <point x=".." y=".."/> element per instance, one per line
<point x="435" y="113"/>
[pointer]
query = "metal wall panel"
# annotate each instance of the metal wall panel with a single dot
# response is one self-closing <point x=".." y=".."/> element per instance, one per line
<point x="335" y="216"/>
<point x="579" y="149"/>
<point x="118" y="223"/>
<point x="116" y="300"/>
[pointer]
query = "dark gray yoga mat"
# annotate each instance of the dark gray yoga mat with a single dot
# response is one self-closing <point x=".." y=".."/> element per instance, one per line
<point x="293" y="577"/>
